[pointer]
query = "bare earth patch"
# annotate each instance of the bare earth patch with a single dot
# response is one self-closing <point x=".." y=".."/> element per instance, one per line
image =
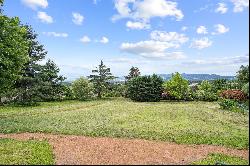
<point x="82" y="150"/>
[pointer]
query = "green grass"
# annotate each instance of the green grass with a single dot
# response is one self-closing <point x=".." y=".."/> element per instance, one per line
<point x="221" y="159"/>
<point x="180" y="122"/>
<point x="31" y="152"/>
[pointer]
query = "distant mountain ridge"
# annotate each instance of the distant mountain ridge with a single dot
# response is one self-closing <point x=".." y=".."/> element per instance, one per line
<point x="198" y="77"/>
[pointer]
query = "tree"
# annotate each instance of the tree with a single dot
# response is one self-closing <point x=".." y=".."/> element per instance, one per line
<point x="13" y="53"/>
<point x="243" y="75"/>
<point x="1" y="4"/>
<point x="28" y="85"/>
<point x="145" y="88"/>
<point x="177" y="87"/>
<point x="134" y="72"/>
<point x="101" y="78"/>
<point x="205" y="92"/>
<point x="82" y="89"/>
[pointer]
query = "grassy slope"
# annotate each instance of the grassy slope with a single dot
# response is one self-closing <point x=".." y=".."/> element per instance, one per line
<point x="184" y="122"/>
<point x="14" y="152"/>
<point x="221" y="159"/>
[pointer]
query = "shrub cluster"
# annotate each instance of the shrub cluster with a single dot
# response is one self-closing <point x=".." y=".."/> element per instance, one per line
<point x="233" y="105"/>
<point x="237" y="95"/>
<point x="145" y="88"/>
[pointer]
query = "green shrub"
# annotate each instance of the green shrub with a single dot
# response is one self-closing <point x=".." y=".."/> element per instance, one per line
<point x="145" y="88"/>
<point x="245" y="89"/>
<point x="205" y="92"/>
<point x="233" y="105"/>
<point x="115" y="90"/>
<point x="82" y="89"/>
<point x="177" y="87"/>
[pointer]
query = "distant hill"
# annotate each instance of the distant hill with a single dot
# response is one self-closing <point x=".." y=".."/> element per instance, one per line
<point x="189" y="77"/>
<point x="198" y="77"/>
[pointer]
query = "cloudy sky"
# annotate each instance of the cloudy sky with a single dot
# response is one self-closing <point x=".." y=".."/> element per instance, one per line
<point x="158" y="36"/>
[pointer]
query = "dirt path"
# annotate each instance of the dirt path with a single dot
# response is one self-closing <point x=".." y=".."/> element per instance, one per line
<point x="82" y="150"/>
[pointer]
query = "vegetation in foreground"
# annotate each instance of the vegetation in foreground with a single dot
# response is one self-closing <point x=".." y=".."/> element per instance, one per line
<point x="180" y="122"/>
<point x="221" y="159"/>
<point x="13" y="152"/>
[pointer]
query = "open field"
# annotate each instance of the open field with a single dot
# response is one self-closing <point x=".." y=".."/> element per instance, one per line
<point x="180" y="122"/>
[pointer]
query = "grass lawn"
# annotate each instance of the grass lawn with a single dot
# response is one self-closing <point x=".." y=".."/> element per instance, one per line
<point x="14" y="152"/>
<point x="221" y="159"/>
<point x="180" y="122"/>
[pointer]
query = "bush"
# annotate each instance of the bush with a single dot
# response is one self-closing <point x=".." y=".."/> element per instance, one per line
<point x="115" y="90"/>
<point x="233" y="94"/>
<point x="245" y="89"/>
<point x="82" y="89"/>
<point x="205" y="92"/>
<point x="177" y="88"/>
<point x="145" y="88"/>
<point x="233" y="105"/>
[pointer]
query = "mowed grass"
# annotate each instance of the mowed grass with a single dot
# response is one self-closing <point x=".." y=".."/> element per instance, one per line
<point x="13" y="152"/>
<point x="180" y="122"/>
<point x="221" y="159"/>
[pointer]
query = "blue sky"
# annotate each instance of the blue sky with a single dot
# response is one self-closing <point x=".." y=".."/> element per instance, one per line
<point x="158" y="36"/>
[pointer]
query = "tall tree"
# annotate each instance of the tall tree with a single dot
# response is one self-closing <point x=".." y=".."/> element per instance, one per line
<point x="100" y="78"/>
<point x="27" y="85"/>
<point x="1" y="4"/>
<point x="13" y="52"/>
<point x="134" y="72"/>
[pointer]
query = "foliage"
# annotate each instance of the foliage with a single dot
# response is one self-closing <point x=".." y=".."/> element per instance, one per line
<point x="13" y="52"/>
<point x="233" y="84"/>
<point x="233" y="94"/>
<point x="145" y="88"/>
<point x="218" y="85"/>
<point x="116" y="90"/>
<point x="233" y="105"/>
<point x="177" y="87"/>
<point x="205" y="92"/>
<point x="82" y="89"/>
<point x="180" y="122"/>
<point x="221" y="159"/>
<point x="134" y="72"/>
<point x="243" y="75"/>
<point x="245" y="89"/>
<point x="101" y="78"/>
<point x="13" y="152"/>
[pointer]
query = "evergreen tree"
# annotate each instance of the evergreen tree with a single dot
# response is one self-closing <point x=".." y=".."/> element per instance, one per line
<point x="134" y="72"/>
<point x="100" y="78"/>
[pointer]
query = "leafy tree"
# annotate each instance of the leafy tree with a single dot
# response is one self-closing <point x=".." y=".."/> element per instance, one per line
<point x="145" y="88"/>
<point x="100" y="78"/>
<point x="218" y="85"/>
<point x="82" y="89"/>
<point x="243" y="75"/>
<point x="177" y="87"/>
<point x="1" y="4"/>
<point x="134" y="72"/>
<point x="245" y="89"/>
<point x="13" y="52"/>
<point x="205" y="92"/>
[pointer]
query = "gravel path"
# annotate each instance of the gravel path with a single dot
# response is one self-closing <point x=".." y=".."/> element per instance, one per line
<point x="80" y="150"/>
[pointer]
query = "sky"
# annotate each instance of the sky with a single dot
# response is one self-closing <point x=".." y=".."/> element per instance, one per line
<point x="157" y="36"/>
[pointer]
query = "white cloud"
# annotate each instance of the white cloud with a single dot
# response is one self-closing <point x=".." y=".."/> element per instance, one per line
<point x="34" y="4"/>
<point x="144" y="10"/>
<point x="222" y="8"/>
<point x="172" y="37"/>
<point x="240" y="5"/>
<point x="104" y="40"/>
<point x="184" y="28"/>
<point x="85" y="39"/>
<point x="201" y="43"/>
<point x="220" y="61"/>
<point x="220" y="29"/>
<point x="127" y="61"/>
<point x="77" y="18"/>
<point x="44" y="17"/>
<point x="55" y="34"/>
<point x="201" y="30"/>
<point x="137" y="25"/>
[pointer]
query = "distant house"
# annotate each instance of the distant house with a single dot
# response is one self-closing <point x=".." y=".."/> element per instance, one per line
<point x="194" y="86"/>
